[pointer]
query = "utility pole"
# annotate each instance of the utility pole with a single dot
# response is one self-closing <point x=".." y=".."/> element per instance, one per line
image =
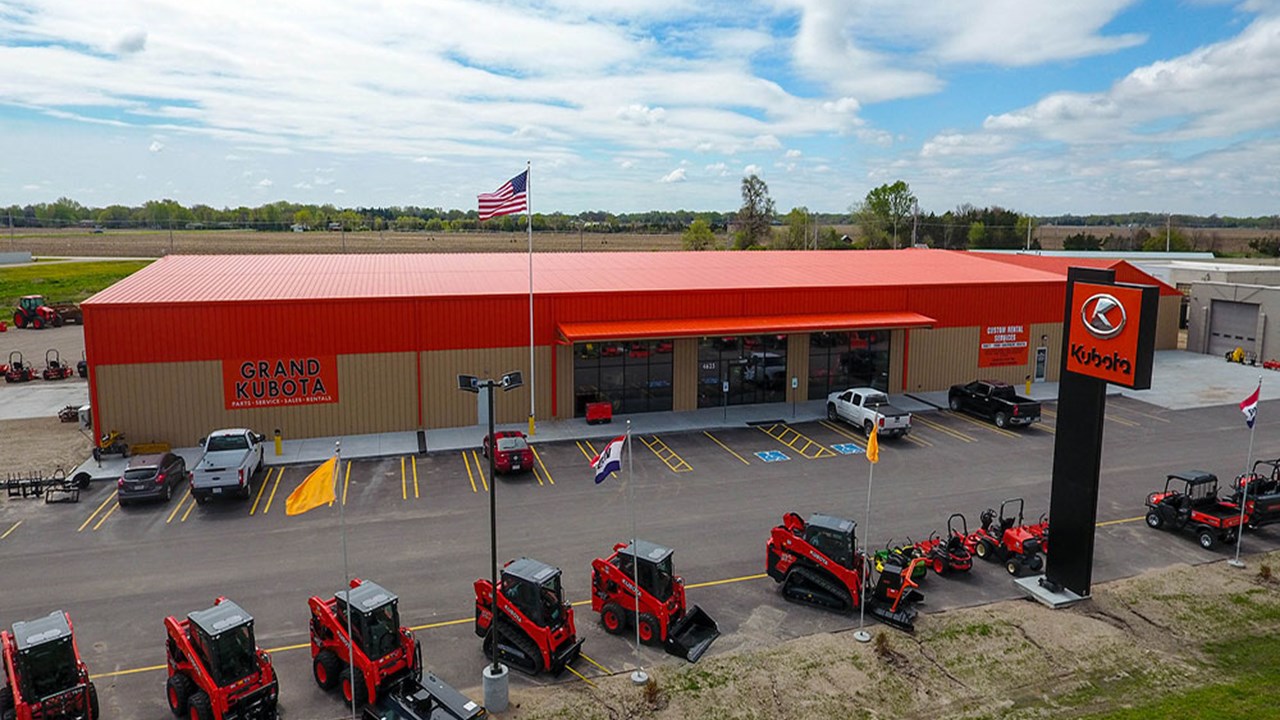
<point x="1028" y="232"/>
<point x="915" y="221"/>
<point x="1168" y="222"/>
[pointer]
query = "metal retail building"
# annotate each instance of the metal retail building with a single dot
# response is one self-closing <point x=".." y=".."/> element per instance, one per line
<point x="323" y="345"/>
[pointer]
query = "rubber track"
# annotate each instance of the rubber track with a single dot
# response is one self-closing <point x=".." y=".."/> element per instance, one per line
<point x="840" y="598"/>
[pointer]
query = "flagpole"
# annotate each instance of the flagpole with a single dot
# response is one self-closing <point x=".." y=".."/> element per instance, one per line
<point x="1248" y="466"/>
<point x="862" y="635"/>
<point x="528" y="209"/>
<point x="639" y="677"/>
<point x="346" y="572"/>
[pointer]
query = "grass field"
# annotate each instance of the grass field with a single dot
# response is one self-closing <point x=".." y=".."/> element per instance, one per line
<point x="62" y="281"/>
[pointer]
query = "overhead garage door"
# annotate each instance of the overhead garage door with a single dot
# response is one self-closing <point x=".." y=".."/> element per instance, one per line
<point x="1232" y="325"/>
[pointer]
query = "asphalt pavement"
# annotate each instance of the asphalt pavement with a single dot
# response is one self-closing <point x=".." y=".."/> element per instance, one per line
<point x="419" y="526"/>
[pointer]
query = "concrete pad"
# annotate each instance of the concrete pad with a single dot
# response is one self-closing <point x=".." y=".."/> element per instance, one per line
<point x="1181" y="380"/>
<point x="1053" y="599"/>
<point x="40" y="399"/>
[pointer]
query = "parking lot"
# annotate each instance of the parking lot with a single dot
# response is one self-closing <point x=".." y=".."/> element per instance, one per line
<point x="419" y="526"/>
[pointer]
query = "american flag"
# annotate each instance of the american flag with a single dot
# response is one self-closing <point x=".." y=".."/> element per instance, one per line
<point x="512" y="197"/>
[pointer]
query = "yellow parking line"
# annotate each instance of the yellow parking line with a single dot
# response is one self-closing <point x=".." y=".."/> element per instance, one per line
<point x="414" y="460"/>
<point x="466" y="461"/>
<point x="346" y="482"/>
<point x="480" y="471"/>
<point x="104" y="517"/>
<point x="9" y="532"/>
<point x="265" y="482"/>
<point x="582" y="449"/>
<point x="1126" y="520"/>
<point x="271" y="498"/>
<point x="89" y="519"/>
<point x="797" y="441"/>
<point x="981" y="424"/>
<point x="538" y="456"/>
<point x="580" y="675"/>
<point x="132" y="671"/>
<point x="666" y="454"/>
<point x="726" y="581"/>
<point x="726" y="447"/>
<point x="1043" y="428"/>
<point x="537" y="475"/>
<point x="404" y="482"/>
<point x="443" y="623"/>
<point x="178" y="507"/>
<point x="944" y="429"/>
<point x="1047" y="411"/>
<point x="593" y="662"/>
<point x="857" y="440"/>
<point x="1122" y="421"/>
<point x="189" y="509"/>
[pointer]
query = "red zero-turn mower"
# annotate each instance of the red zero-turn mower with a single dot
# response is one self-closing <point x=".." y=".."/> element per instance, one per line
<point x="1003" y="538"/>
<point x="216" y="670"/>
<point x="947" y="555"/>
<point x="534" y="630"/>
<point x="54" y="369"/>
<point x="45" y="679"/>
<point x="19" y="371"/>
<point x="1190" y="502"/>
<point x="664" y="618"/>
<point x="817" y="564"/>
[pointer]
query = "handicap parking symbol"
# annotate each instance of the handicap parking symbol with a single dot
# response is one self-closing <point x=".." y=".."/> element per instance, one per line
<point x="848" y="449"/>
<point x="772" y="456"/>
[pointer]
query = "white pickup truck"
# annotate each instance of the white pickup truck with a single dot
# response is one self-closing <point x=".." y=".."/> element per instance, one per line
<point x="231" y="459"/>
<point x="865" y="408"/>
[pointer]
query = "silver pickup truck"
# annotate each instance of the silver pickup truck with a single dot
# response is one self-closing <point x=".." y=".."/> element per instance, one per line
<point x="865" y="408"/>
<point x="231" y="459"/>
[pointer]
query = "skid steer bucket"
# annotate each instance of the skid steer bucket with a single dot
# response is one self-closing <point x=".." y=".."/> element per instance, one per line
<point x="690" y="636"/>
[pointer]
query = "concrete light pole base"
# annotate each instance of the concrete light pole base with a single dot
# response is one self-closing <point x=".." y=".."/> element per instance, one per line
<point x="862" y="636"/>
<point x="640" y="677"/>
<point x="495" y="688"/>
<point x="1235" y="563"/>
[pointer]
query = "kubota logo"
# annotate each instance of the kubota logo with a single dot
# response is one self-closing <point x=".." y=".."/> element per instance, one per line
<point x="1103" y="315"/>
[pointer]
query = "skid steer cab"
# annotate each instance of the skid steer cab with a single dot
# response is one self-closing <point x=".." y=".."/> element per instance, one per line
<point x="664" y="618"/>
<point x="817" y="563"/>
<point x="534" y="630"/>
<point x="44" y="677"/>
<point x="384" y="652"/>
<point x="216" y="669"/>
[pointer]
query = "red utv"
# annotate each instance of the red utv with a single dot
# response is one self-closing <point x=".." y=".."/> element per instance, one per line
<point x="1190" y="502"/>
<point x="1262" y="499"/>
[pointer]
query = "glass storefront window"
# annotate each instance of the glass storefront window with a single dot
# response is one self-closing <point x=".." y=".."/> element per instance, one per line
<point x="841" y="360"/>
<point x="634" y="376"/>
<point x="754" y="366"/>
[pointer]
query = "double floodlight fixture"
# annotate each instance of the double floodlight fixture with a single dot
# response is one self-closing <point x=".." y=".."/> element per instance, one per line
<point x="471" y="383"/>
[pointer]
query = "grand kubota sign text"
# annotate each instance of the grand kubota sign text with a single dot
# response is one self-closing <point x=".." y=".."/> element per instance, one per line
<point x="280" y="381"/>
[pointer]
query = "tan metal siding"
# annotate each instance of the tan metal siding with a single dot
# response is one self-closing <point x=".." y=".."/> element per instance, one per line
<point x="897" y="343"/>
<point x="684" y="378"/>
<point x="940" y="357"/>
<point x="444" y="405"/>
<point x="565" y="388"/>
<point x="1167" y="322"/>
<point x="797" y="366"/>
<point x="179" y="403"/>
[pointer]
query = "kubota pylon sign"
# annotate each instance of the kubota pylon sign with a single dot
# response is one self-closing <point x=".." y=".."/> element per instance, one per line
<point x="1111" y="333"/>
<point x="279" y="381"/>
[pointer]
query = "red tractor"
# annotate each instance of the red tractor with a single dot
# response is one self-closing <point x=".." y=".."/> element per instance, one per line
<point x="1006" y="539"/>
<point x="54" y="369"/>
<point x="18" y="371"/>
<point x="216" y="669"/>
<point x="385" y="653"/>
<point x="44" y="675"/>
<point x="33" y="311"/>
<point x="817" y="564"/>
<point x="1262" y="501"/>
<point x="1190" y="502"/>
<point x="534" y="630"/>
<point x="948" y="555"/>
<point x="664" y="617"/>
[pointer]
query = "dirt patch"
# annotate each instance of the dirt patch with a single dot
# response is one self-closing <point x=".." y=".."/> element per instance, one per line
<point x="41" y="444"/>
<point x="1135" y="640"/>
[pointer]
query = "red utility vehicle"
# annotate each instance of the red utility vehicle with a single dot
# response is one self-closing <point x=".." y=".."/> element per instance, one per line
<point x="1190" y="502"/>
<point x="535" y="629"/>
<point x="1262" y="501"/>
<point x="385" y="653"/>
<point x="817" y="564"/>
<point x="1006" y="539"/>
<point x="514" y="453"/>
<point x="216" y="669"/>
<point x="664" y="617"/>
<point x="45" y="679"/>
<point x="54" y="369"/>
<point x="949" y="554"/>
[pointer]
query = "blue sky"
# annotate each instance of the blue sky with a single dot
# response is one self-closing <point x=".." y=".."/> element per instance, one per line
<point x="1046" y="107"/>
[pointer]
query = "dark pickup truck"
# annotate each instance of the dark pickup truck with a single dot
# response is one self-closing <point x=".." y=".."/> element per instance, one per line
<point x="994" y="400"/>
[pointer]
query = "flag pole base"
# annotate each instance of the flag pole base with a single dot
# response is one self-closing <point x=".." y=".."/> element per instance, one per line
<point x="1236" y="563"/>
<point x="862" y="636"/>
<point x="640" y="677"/>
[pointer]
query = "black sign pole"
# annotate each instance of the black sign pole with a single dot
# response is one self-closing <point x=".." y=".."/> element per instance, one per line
<point x="1077" y="460"/>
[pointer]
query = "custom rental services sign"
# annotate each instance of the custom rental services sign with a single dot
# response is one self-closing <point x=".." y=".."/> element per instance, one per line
<point x="280" y="381"/>
<point x="1003" y="345"/>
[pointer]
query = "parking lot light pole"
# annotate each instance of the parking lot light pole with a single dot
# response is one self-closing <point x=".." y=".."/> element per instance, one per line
<point x="494" y="677"/>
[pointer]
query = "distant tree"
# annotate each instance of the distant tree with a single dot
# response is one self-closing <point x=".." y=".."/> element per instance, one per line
<point x="1081" y="241"/>
<point x="1268" y="246"/>
<point x="698" y="236"/>
<point x="884" y="211"/>
<point x="977" y="235"/>
<point x="304" y="217"/>
<point x="1024" y="228"/>
<point x="797" y="229"/>
<point x="755" y="217"/>
<point x="1177" y="241"/>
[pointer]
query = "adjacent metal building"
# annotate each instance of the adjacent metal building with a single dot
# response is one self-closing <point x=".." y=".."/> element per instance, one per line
<point x="321" y="345"/>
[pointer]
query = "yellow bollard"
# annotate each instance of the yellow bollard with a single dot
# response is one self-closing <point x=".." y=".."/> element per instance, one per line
<point x="279" y="444"/>
<point x="1028" y="393"/>
<point x="530" y="426"/>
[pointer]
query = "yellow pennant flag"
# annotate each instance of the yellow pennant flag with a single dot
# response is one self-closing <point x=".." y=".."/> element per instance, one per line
<point x="315" y="491"/>
<point x="873" y="445"/>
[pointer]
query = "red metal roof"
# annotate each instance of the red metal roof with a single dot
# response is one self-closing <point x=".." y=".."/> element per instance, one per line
<point x="1125" y="271"/>
<point x="265" y="278"/>
<point x="707" y="327"/>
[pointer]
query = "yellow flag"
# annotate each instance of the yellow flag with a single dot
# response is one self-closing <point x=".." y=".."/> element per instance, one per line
<point x="873" y="445"/>
<point x="315" y="491"/>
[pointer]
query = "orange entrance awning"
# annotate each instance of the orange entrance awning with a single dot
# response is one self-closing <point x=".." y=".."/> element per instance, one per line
<point x="732" y="326"/>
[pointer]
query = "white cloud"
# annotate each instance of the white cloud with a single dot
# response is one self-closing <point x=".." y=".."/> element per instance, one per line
<point x="675" y="176"/>
<point x="32" y="187"/>
<point x="156" y="146"/>
<point x="626" y="164"/>
<point x="641" y="114"/>
<point x="132" y="41"/>
<point x="265" y="183"/>
<point x="719" y="169"/>
<point x="766" y="142"/>
<point x="423" y="159"/>
<point x="752" y="170"/>
<point x="793" y="153"/>
<point x="302" y="185"/>
<point x="339" y="191"/>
